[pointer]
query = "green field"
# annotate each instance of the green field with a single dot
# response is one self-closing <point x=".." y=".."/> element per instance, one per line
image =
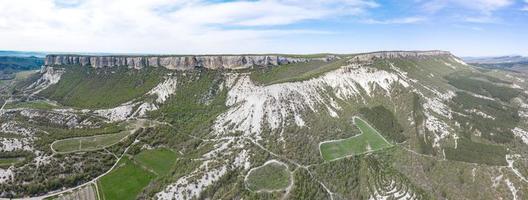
<point x="272" y="176"/>
<point x="133" y="174"/>
<point x="160" y="160"/>
<point x="369" y="140"/>
<point x="6" y="162"/>
<point x="295" y="71"/>
<point x="90" y="143"/>
<point x="125" y="181"/>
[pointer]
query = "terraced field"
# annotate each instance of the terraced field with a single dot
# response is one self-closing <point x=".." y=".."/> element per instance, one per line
<point x="369" y="140"/>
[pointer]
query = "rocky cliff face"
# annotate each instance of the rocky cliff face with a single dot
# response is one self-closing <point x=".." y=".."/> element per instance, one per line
<point x="398" y="54"/>
<point x="216" y="61"/>
<point x="178" y="62"/>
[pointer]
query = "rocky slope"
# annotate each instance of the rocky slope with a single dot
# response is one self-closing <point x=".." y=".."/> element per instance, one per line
<point x="441" y="116"/>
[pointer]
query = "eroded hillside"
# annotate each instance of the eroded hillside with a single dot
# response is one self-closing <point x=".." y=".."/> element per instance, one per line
<point x="383" y="125"/>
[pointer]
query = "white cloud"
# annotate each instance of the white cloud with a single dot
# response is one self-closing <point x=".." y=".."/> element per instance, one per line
<point x="171" y="26"/>
<point x="404" y="20"/>
<point x="525" y="8"/>
<point x="483" y="6"/>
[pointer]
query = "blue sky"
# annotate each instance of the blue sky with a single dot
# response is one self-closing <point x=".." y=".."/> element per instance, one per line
<point x="464" y="27"/>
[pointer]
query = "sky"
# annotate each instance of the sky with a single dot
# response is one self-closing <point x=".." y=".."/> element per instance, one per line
<point x="464" y="27"/>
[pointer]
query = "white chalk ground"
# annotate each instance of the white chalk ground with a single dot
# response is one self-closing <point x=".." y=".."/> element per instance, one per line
<point x="510" y="159"/>
<point x="522" y="134"/>
<point x="162" y="91"/>
<point x="119" y="113"/>
<point x="6" y="174"/>
<point x="512" y="188"/>
<point x="49" y="77"/>
<point x="480" y="113"/>
<point x="13" y="144"/>
<point x="190" y="186"/>
<point x="253" y="106"/>
<point x="390" y="191"/>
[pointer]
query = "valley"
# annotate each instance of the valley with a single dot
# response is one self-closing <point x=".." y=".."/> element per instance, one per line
<point x="379" y="125"/>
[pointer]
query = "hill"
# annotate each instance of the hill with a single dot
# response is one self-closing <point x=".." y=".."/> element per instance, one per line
<point x="379" y="125"/>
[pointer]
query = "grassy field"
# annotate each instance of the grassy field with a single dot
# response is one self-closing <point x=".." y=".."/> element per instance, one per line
<point x="6" y="162"/>
<point x="272" y="176"/>
<point x="133" y="174"/>
<point x="369" y="140"/>
<point x="294" y="72"/>
<point x="90" y="143"/>
<point x="160" y="160"/>
<point x="124" y="182"/>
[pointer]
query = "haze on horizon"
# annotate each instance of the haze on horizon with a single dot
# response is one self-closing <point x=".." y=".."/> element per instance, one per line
<point x="464" y="27"/>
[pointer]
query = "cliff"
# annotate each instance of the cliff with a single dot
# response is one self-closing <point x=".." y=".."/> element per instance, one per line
<point x="178" y="62"/>
<point x="397" y="54"/>
<point x="217" y="61"/>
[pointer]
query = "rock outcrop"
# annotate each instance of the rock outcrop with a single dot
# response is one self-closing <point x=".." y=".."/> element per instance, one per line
<point x="179" y="62"/>
<point x="216" y="61"/>
<point x="398" y="54"/>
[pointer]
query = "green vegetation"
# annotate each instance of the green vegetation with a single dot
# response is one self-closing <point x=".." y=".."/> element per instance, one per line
<point x="369" y="140"/>
<point x="6" y="162"/>
<point x="160" y="160"/>
<point x="295" y="72"/>
<point x="38" y="104"/>
<point x="307" y="187"/>
<point x="361" y="176"/>
<point x="424" y="145"/>
<point x="12" y="63"/>
<point x="125" y="181"/>
<point x="272" y="176"/>
<point x="384" y="121"/>
<point x="487" y="87"/>
<point x="195" y="106"/>
<point x="86" y="87"/>
<point x="133" y="174"/>
<point x="9" y="66"/>
<point x="473" y="152"/>
<point x="497" y="129"/>
<point x="90" y="143"/>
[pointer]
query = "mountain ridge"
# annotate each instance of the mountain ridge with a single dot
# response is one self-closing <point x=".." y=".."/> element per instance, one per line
<point x="187" y="62"/>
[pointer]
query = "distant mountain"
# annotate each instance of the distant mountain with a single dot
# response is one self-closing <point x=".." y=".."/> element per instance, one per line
<point x="23" y="54"/>
<point x="15" y="61"/>
<point x="379" y="125"/>
<point x="513" y="63"/>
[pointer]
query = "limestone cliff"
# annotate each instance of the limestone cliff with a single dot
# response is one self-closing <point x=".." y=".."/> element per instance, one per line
<point x="216" y="61"/>
<point x="178" y="62"/>
<point x="397" y="54"/>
